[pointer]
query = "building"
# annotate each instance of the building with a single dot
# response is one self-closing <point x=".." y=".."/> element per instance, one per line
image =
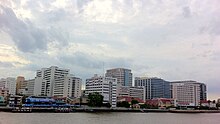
<point x="73" y="87"/>
<point x="154" y="87"/>
<point x="21" y="85"/>
<point x="207" y="104"/>
<point x="188" y="93"/>
<point x="4" y="92"/>
<point x="134" y="92"/>
<point x="51" y="81"/>
<point x="106" y="86"/>
<point x="15" y="101"/>
<point x="29" y="91"/>
<point x="129" y="99"/>
<point x="9" y="83"/>
<point x="203" y="93"/>
<point x="123" y="76"/>
<point x="40" y="87"/>
<point x="162" y="102"/>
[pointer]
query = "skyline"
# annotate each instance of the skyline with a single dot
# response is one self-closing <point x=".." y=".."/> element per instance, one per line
<point x="173" y="40"/>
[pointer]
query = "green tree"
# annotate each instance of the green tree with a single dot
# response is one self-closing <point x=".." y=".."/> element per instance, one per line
<point x="123" y="104"/>
<point x="95" y="100"/>
<point x="134" y="102"/>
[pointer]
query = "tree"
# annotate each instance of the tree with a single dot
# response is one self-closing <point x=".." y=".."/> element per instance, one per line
<point x="95" y="100"/>
<point x="134" y="102"/>
<point x="123" y="104"/>
<point x="214" y="101"/>
<point x="108" y="105"/>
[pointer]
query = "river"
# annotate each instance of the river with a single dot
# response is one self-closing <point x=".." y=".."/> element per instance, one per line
<point x="108" y="118"/>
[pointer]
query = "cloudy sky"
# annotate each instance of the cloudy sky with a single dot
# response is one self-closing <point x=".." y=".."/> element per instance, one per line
<point x="174" y="40"/>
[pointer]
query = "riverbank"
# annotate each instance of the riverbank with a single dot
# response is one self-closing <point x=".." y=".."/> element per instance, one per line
<point x="91" y="110"/>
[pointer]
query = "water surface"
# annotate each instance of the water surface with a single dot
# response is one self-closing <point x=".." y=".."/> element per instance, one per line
<point x="108" y="118"/>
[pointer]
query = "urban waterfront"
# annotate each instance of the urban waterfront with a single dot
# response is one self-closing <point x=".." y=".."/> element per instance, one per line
<point x="108" y="118"/>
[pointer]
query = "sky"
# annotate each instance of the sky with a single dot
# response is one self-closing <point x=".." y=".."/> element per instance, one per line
<point x="170" y="39"/>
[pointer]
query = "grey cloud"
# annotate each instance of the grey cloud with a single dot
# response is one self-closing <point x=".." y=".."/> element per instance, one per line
<point x="87" y="61"/>
<point x="26" y="37"/>
<point x="6" y="64"/>
<point x="82" y="60"/>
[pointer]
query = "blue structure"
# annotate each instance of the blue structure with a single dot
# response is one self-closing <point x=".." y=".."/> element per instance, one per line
<point x="155" y="87"/>
<point x="2" y="101"/>
<point x="48" y="102"/>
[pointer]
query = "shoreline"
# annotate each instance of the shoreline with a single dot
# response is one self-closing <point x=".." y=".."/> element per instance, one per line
<point x="94" y="110"/>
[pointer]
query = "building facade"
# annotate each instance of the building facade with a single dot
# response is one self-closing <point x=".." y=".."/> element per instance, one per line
<point x="123" y="76"/>
<point x="9" y="83"/>
<point x="106" y="86"/>
<point x="53" y="80"/>
<point x="75" y="85"/>
<point x="134" y="92"/>
<point x="21" y="85"/>
<point x="4" y="92"/>
<point x="188" y="93"/>
<point x="30" y="87"/>
<point x="154" y="87"/>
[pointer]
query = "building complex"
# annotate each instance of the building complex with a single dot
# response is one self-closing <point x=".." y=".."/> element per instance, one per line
<point x="106" y="86"/>
<point x="117" y="83"/>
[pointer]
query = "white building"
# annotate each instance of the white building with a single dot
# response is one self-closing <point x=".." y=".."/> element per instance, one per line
<point x="136" y="92"/>
<point x="106" y="86"/>
<point x="187" y="93"/>
<point x="57" y="82"/>
<point x="9" y="83"/>
<point x="39" y="87"/>
<point x="53" y="80"/>
<point x="72" y="87"/>
<point x="30" y="87"/>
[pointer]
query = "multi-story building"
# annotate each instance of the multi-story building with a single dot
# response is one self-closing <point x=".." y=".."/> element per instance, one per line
<point x="188" y="93"/>
<point x="106" y="86"/>
<point x="134" y="92"/>
<point x="73" y="87"/>
<point x="53" y="80"/>
<point x="123" y="76"/>
<point x="4" y="92"/>
<point x="29" y="91"/>
<point x="9" y="83"/>
<point x="56" y="82"/>
<point x="203" y="93"/>
<point x="40" y="87"/>
<point x="21" y="85"/>
<point x="154" y="87"/>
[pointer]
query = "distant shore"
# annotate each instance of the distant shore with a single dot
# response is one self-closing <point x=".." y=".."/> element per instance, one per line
<point x="91" y="110"/>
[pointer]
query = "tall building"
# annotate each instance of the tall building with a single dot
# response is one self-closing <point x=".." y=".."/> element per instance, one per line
<point x="53" y="80"/>
<point x="154" y="87"/>
<point x="30" y="87"/>
<point x="73" y="87"/>
<point x="9" y="83"/>
<point x="135" y="92"/>
<point x="123" y="76"/>
<point x="188" y="93"/>
<point x="21" y="85"/>
<point x="56" y="82"/>
<point x="39" y="87"/>
<point x="106" y="86"/>
<point x="203" y="93"/>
